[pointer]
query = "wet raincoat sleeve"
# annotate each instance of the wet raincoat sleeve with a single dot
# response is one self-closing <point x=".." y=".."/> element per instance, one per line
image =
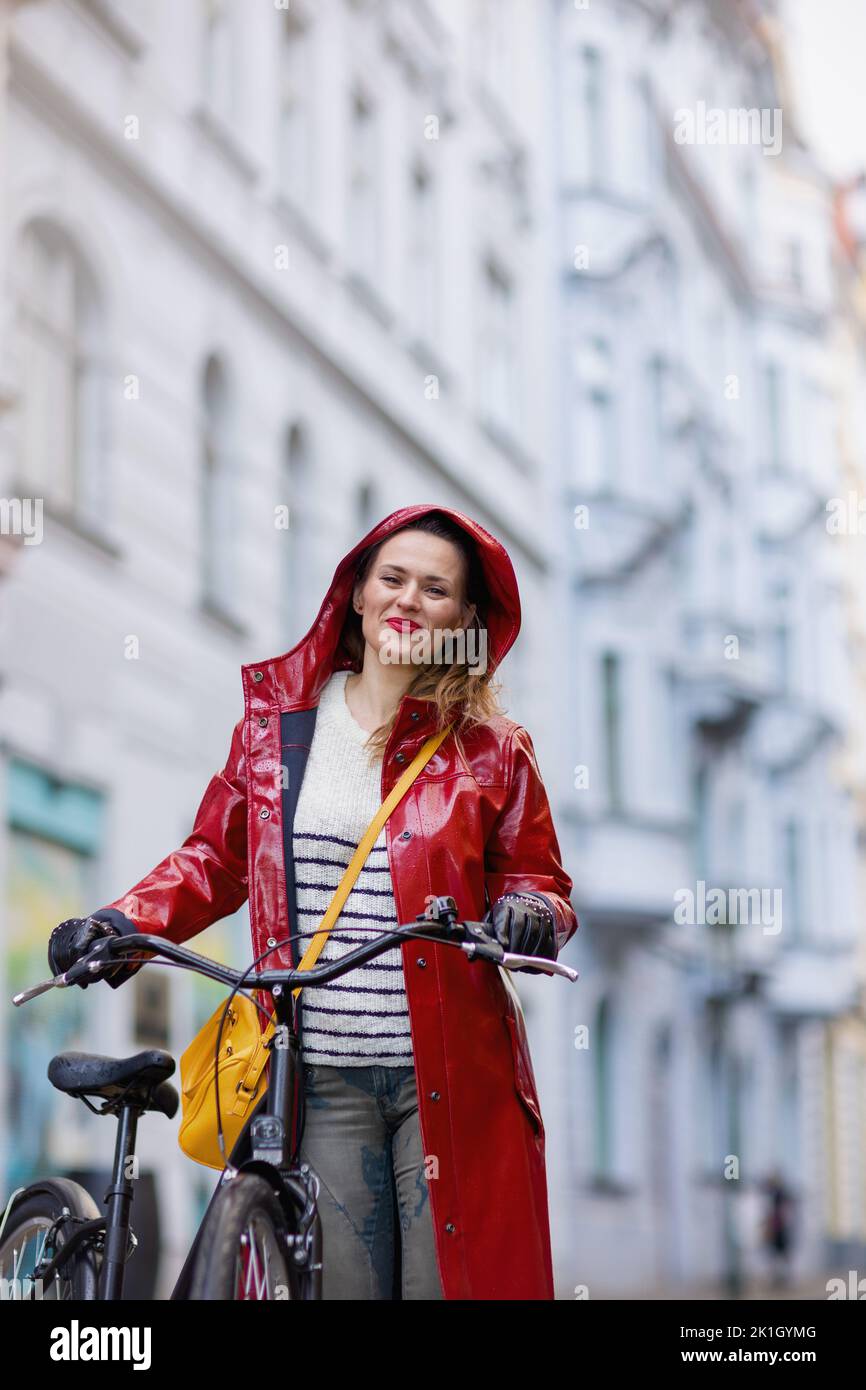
<point x="522" y="852"/>
<point x="202" y="881"/>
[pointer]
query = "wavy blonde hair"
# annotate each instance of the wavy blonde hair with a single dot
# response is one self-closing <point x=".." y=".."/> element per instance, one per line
<point x="459" y="693"/>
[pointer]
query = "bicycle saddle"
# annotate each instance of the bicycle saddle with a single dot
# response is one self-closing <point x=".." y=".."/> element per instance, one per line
<point x="139" y="1079"/>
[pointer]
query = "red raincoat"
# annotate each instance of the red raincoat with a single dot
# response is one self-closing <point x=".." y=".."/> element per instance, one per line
<point x="474" y="831"/>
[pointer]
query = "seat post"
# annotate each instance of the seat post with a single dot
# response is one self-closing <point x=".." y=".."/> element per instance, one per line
<point x="118" y="1199"/>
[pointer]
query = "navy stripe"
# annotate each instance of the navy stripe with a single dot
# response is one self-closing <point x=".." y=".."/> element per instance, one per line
<point x="388" y="919"/>
<point x="395" y="1015"/>
<point x="341" y="1033"/>
<point x="340" y="864"/>
<point x="353" y="989"/>
<point x="326" y="887"/>
<point x="335" y="863"/>
<point x="334" y="839"/>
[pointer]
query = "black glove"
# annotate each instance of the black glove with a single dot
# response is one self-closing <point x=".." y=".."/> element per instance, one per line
<point x="524" y="924"/>
<point x="74" y="938"/>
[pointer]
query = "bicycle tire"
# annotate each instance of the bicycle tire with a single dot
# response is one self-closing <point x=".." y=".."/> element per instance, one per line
<point x="246" y="1205"/>
<point x="33" y="1212"/>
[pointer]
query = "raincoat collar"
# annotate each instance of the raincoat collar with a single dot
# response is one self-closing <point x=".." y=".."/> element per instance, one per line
<point x="295" y="679"/>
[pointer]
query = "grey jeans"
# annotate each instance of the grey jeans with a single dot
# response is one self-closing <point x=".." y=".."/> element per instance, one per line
<point x="363" y="1141"/>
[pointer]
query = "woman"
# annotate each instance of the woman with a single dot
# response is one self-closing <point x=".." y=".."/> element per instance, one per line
<point x="424" y="1059"/>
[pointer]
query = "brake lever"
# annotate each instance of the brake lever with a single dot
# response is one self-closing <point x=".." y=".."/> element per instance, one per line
<point x="90" y="964"/>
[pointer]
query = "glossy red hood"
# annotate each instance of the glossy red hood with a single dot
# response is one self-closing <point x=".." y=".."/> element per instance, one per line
<point x="299" y="674"/>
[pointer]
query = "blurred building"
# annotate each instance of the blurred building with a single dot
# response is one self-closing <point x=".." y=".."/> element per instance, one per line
<point x="708" y="692"/>
<point x="271" y="272"/>
<point x="846" y="521"/>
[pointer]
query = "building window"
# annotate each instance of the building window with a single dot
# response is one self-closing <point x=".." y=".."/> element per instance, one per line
<point x="592" y="83"/>
<point x="611" y="681"/>
<point x="655" y="419"/>
<point x="792" y="879"/>
<point x="297" y="580"/>
<point x="603" y="1092"/>
<point x="422" y="271"/>
<point x="367" y="507"/>
<point x="795" y="265"/>
<point x="219" y="525"/>
<point x="63" y="373"/>
<point x="782" y="656"/>
<point x="596" y="419"/>
<point x="773" y="414"/>
<point x="296" y="134"/>
<point x="218" y="58"/>
<point x="498" y="365"/>
<point x="364" y="213"/>
<point x="494" y="48"/>
<point x="647" y="151"/>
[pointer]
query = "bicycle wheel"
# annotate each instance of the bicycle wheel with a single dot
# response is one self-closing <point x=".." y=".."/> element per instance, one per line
<point x="242" y="1253"/>
<point x="24" y="1243"/>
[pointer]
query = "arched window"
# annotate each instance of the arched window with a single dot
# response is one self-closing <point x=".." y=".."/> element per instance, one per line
<point x="218" y="501"/>
<point x="60" y="325"/>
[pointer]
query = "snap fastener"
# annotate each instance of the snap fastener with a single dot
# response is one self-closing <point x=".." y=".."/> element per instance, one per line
<point x="434" y="1095"/>
<point x="422" y="962"/>
<point x="399" y="757"/>
<point x="415" y="714"/>
<point x="263" y="721"/>
<point x="450" y="1227"/>
<point x="264" y="814"/>
<point x="258" y="675"/>
<point x="406" y="835"/>
<point x="272" y="941"/>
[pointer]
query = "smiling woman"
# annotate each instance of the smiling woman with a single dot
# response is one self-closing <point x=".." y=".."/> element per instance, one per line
<point x="424" y="1063"/>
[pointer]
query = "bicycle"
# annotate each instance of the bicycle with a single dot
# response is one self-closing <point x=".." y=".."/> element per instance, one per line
<point x="261" y="1235"/>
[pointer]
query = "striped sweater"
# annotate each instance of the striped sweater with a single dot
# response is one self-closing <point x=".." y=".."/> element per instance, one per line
<point x="363" y="1017"/>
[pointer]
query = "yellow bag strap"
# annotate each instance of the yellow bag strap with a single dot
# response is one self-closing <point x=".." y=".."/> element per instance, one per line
<point x="371" y="834"/>
<point x="247" y="1087"/>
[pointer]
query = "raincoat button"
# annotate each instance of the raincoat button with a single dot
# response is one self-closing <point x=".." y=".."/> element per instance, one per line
<point x="434" y="1095"/>
<point x="263" y="721"/>
<point x="272" y="941"/>
<point x="406" y="835"/>
<point x="399" y="757"/>
<point x="264" y="814"/>
<point x="450" y="1227"/>
<point x="422" y="962"/>
<point x="415" y="714"/>
<point x="258" y="675"/>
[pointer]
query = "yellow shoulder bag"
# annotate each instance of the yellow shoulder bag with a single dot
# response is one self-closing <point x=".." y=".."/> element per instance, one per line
<point x="244" y="1046"/>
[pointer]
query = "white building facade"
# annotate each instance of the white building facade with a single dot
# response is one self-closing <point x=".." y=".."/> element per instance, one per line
<point x="270" y="272"/>
<point x="708" y="695"/>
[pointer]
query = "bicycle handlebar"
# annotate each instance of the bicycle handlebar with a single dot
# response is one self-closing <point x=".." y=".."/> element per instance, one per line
<point x="441" y="925"/>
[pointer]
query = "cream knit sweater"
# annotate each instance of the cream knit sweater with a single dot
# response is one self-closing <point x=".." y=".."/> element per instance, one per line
<point x="363" y="1017"/>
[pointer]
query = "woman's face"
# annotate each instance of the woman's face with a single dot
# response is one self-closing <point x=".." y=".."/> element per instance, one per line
<point x="415" y="582"/>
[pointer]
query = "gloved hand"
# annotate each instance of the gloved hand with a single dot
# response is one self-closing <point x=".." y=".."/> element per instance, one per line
<point x="524" y="924"/>
<point x="72" y="939"/>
